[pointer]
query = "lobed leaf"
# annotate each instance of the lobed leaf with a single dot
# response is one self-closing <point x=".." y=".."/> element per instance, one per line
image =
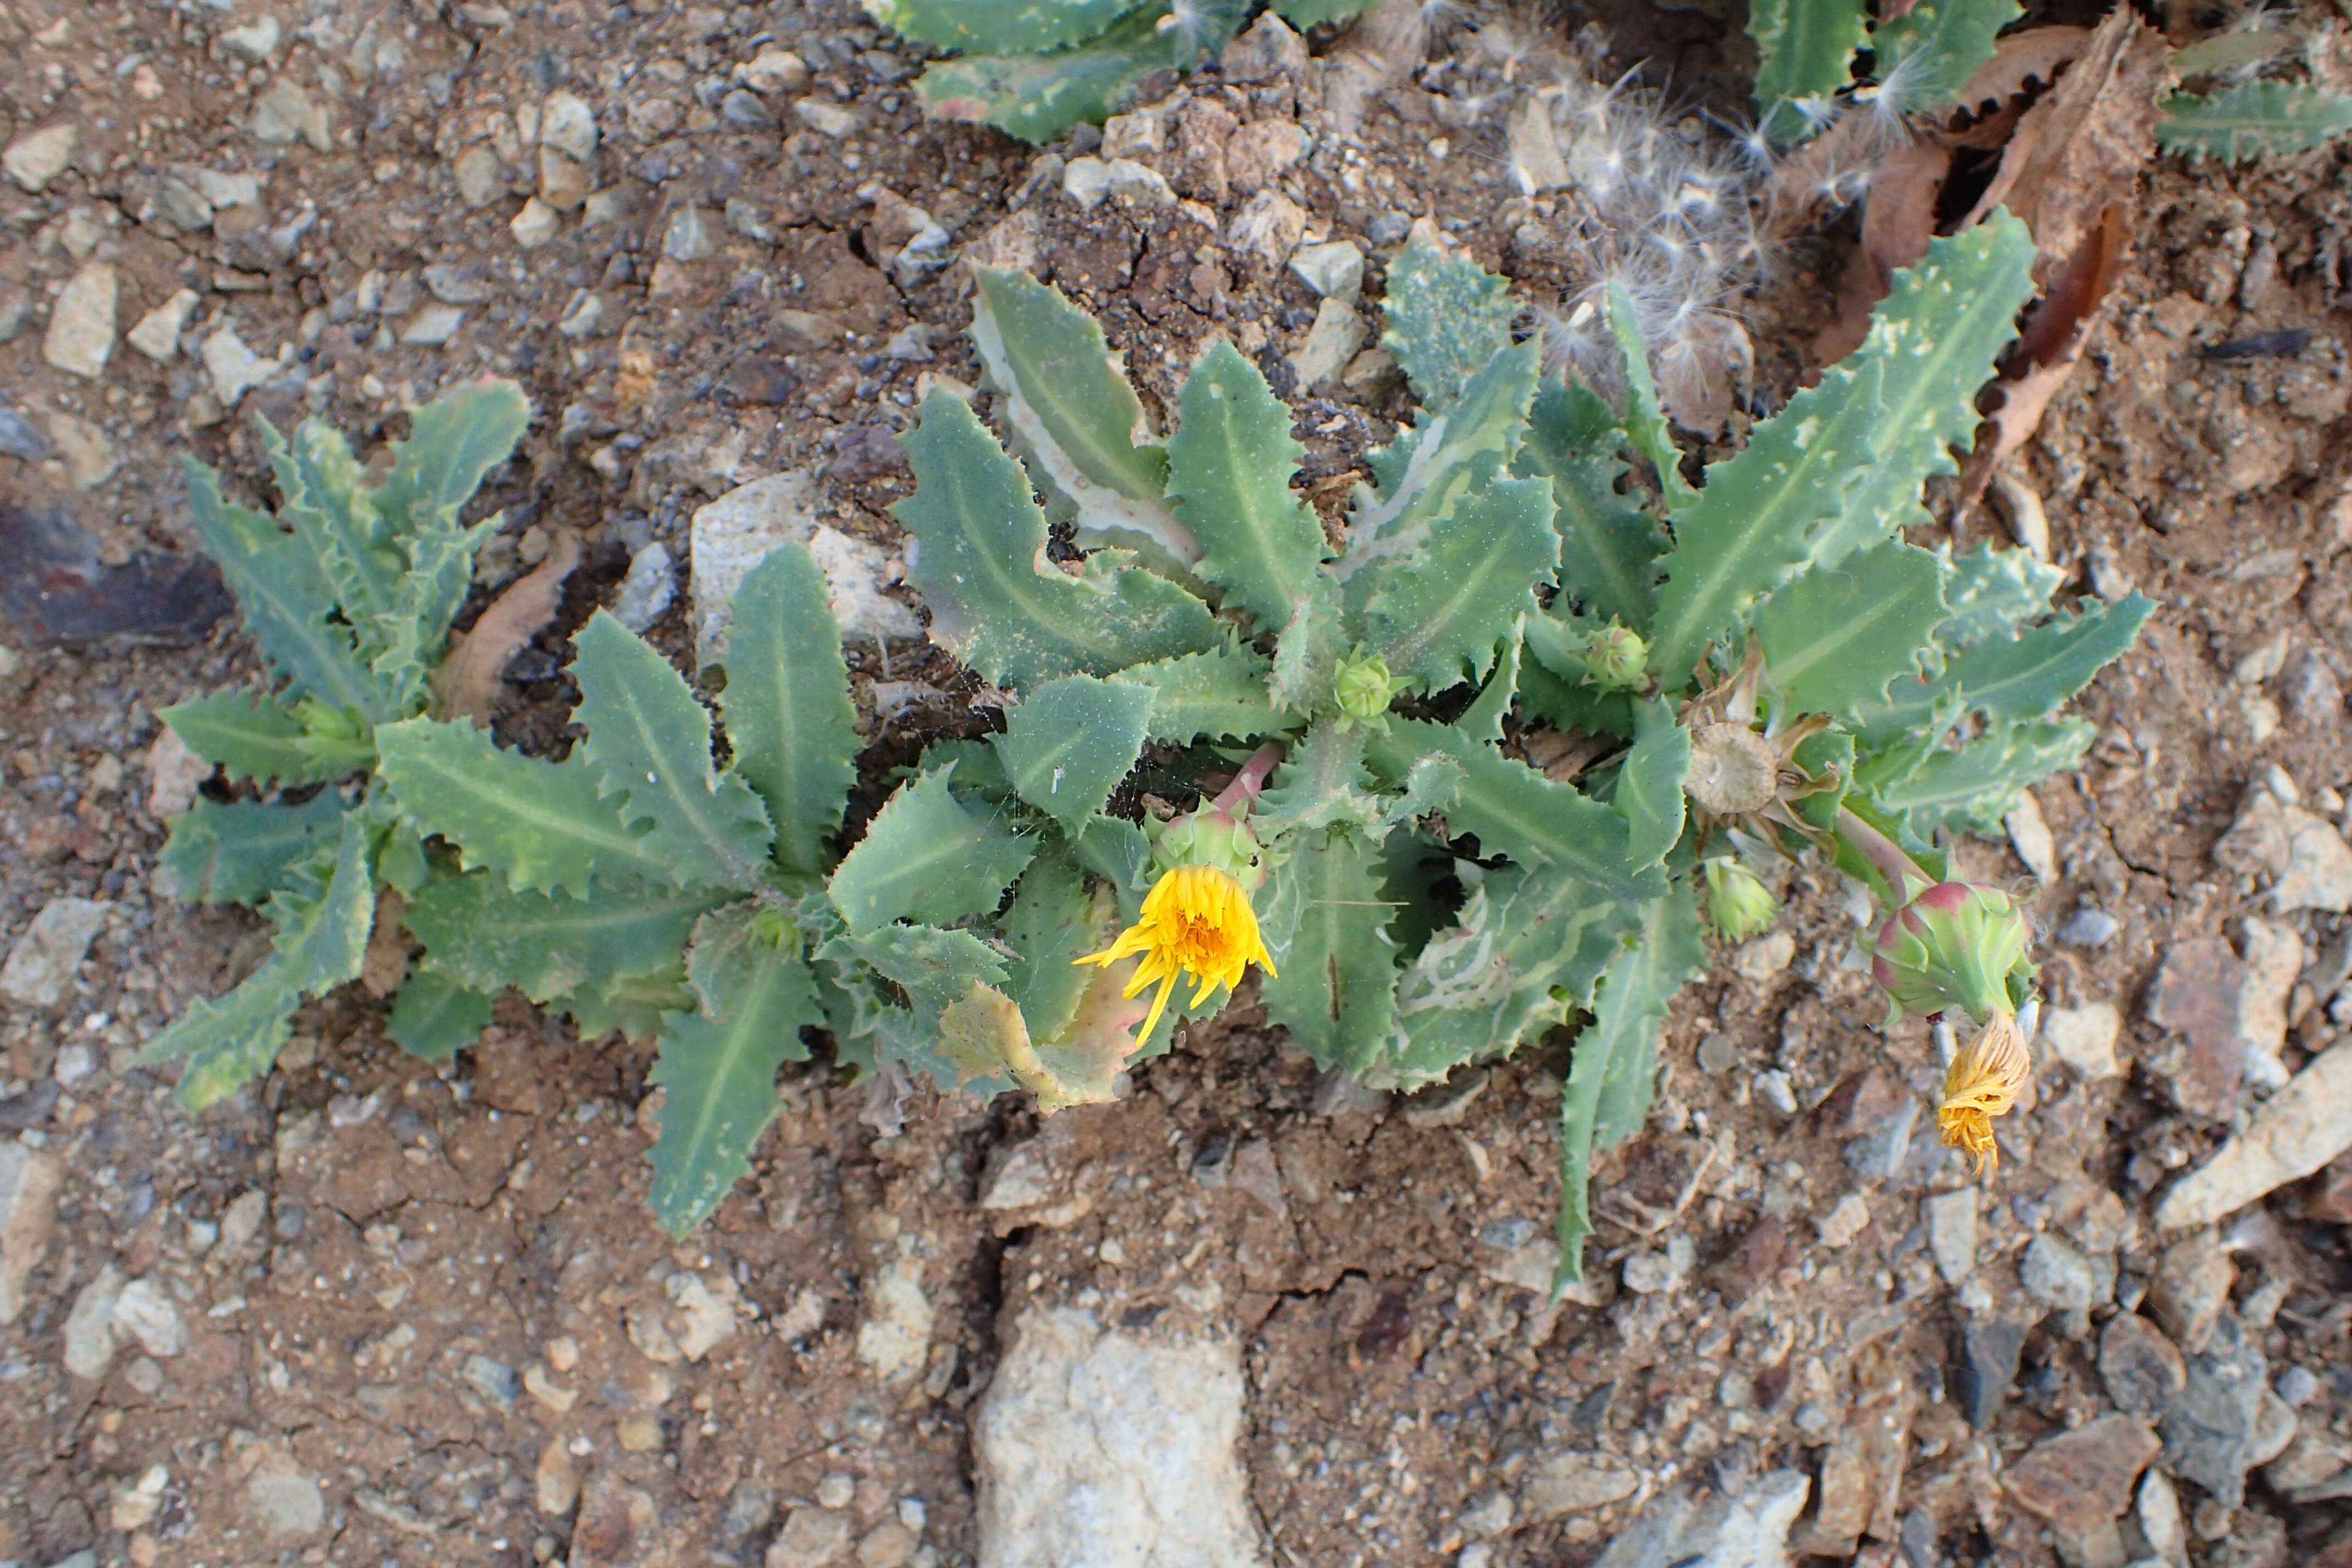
<point x="435" y="1018"/>
<point x="649" y="740"/>
<point x="1221" y="694"/>
<point x="1482" y="720"/>
<point x="1992" y="592"/>
<point x="487" y="936"/>
<point x="1436" y="618"/>
<point x="1608" y="544"/>
<point x="928" y="858"/>
<point x="1926" y="54"/>
<point x="633" y="1005"/>
<point x="789" y="717"/>
<point x="1306" y="15"/>
<point x="1924" y="785"/>
<point x="721" y="1075"/>
<point x="1038" y="97"/>
<point x="1308" y="652"/>
<point x="1804" y="52"/>
<point x="243" y="851"/>
<point x="2022" y="678"/>
<point x="2252" y="118"/>
<point x="997" y="602"/>
<point x="1649" y="793"/>
<point x="1070" y="742"/>
<point x="1335" y="980"/>
<point x="323" y="498"/>
<point x="1646" y="429"/>
<point x="545" y="824"/>
<point x="999" y="27"/>
<point x="1614" y="1060"/>
<point x="1447" y="317"/>
<point x="934" y="967"/>
<point x="1841" y="467"/>
<point x="1054" y="922"/>
<point x="1229" y="468"/>
<point x="255" y="738"/>
<point x="454" y="442"/>
<point x="1833" y="637"/>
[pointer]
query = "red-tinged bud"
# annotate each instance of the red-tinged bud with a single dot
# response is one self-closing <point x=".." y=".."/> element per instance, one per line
<point x="1954" y="945"/>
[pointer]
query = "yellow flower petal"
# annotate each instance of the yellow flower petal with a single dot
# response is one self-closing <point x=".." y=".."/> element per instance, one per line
<point x="1196" y="919"/>
<point x="1984" y="1081"/>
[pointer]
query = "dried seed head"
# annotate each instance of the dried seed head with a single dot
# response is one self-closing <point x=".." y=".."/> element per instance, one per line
<point x="1733" y="770"/>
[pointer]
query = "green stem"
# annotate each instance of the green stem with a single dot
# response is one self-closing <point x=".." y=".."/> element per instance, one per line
<point x="1885" y="855"/>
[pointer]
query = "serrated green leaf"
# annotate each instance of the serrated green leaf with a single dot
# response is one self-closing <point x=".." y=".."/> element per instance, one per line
<point x="1562" y="698"/>
<point x="241" y="852"/>
<point x="1115" y="850"/>
<point x="1826" y="758"/>
<point x="1835" y="636"/>
<point x="935" y="968"/>
<point x="649" y="742"/>
<point x="257" y="738"/>
<point x="1524" y="950"/>
<point x="1072" y="415"/>
<point x="1038" y="97"/>
<point x="789" y="717"/>
<point x="1054" y="922"/>
<point x="1990" y="593"/>
<point x="631" y="1005"/>
<point x="1649" y="785"/>
<point x="323" y="934"/>
<point x="1926" y="54"/>
<point x="435" y="1018"/>
<point x="1609" y="545"/>
<point x="323" y="496"/>
<point x="999" y="27"/>
<point x="996" y="603"/>
<point x="1436" y="618"/>
<point x="1447" y="317"/>
<point x="440" y="571"/>
<point x="1071" y="742"/>
<point x="284" y="596"/>
<point x="1430" y="468"/>
<point x="1516" y="811"/>
<point x="1306" y="654"/>
<point x="1924" y="785"/>
<point x="454" y="442"/>
<point x="1805" y="51"/>
<point x="1482" y="720"/>
<point x="1841" y="468"/>
<point x="720" y="1074"/>
<point x="928" y="858"/>
<point x="1229" y="470"/>
<point x="2022" y="678"/>
<point x="2252" y="118"/>
<point x="1611" y="1067"/>
<point x="1334" y="985"/>
<point x="543" y="824"/>
<point x="1307" y="15"/>
<point x="486" y="935"/>
<point x="1646" y="429"/>
<point x="1321" y="781"/>
<point x="1221" y="694"/>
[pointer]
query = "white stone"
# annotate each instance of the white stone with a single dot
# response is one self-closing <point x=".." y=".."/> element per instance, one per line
<point x="564" y="182"/>
<point x="145" y="1312"/>
<point x="1335" y="271"/>
<point x="1952" y="1233"/>
<point x="701" y="1318"/>
<point x="1759" y="959"/>
<point x="824" y="116"/>
<point x="775" y="70"/>
<point x="2159" y="1518"/>
<point x="895" y="1339"/>
<point x="285" y="113"/>
<point x="227" y="189"/>
<point x="2262" y="661"/>
<point x="37" y="157"/>
<point x="686" y="236"/>
<point x="567" y="125"/>
<point x="1570" y="1483"/>
<point x="28" y="1211"/>
<point x="255" y="41"/>
<point x="1018" y="1178"/>
<point x="40" y="967"/>
<point x="89" y="1326"/>
<point x="737" y="531"/>
<point x="535" y="225"/>
<point x="2273" y="956"/>
<point x="431" y="326"/>
<point x="1098" y="1446"/>
<point x="1338" y="333"/>
<point x="82" y="322"/>
<point x="2084" y="1038"/>
<point x="1535" y="161"/>
<point x="1751" y="1530"/>
<point x="480" y="179"/>
<point x="2029" y="835"/>
<point x="87" y="451"/>
<point x="284" y="1498"/>
<point x="1085" y="180"/>
<point x="648" y="590"/>
<point x="235" y="368"/>
<point x="2318" y="873"/>
<point x="1268" y="227"/>
<point x="1845" y="1222"/>
<point x="157" y="334"/>
<point x="1139" y="184"/>
<point x="2294" y="1133"/>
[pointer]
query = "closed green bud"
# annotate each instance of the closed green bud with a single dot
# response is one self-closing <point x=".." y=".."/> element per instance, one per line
<point x="1954" y="945"/>
<point x="1617" y="657"/>
<point x="1209" y="837"/>
<point x="1738" y="901"/>
<point x="323" y="720"/>
<point x="1365" y="689"/>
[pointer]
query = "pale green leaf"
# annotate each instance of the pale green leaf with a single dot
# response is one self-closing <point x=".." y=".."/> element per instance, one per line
<point x="1924" y="784"/>
<point x="1925" y="56"/>
<point x="1835" y="636"/>
<point x="1221" y="695"/>
<point x="1437" y="617"/>
<point x="1307" y="15"/>
<point x="543" y="824"/>
<point x="1037" y="96"/>
<point x="1609" y="545"/>
<point x="1990" y="593"/>
<point x="241" y="852"/>
<point x="936" y="968"/>
<point x="997" y="602"/>
<point x="2254" y="118"/>
<point x="1307" y="655"/>
<point x="929" y="857"/>
<point x="999" y="27"/>
<point x="454" y="442"/>
<point x="649" y="742"/>
<point x="1646" y="429"/>
<point x="1055" y="921"/>
<point x="486" y="935"/>
<point x="1447" y="317"/>
<point x="323" y="496"/>
<point x="1336" y="968"/>
<point x="1482" y="720"/>
<point x="1430" y="468"/>
<point x="1650" y="785"/>
<point x="255" y="738"/>
<point x="789" y="718"/>
<point x="1229" y="470"/>
<point x="2022" y="678"/>
<point x="1804" y="52"/>
<point x="435" y="1018"/>
<point x="1071" y="742"/>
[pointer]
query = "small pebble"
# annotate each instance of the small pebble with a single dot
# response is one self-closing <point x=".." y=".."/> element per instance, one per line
<point x="2087" y="926"/>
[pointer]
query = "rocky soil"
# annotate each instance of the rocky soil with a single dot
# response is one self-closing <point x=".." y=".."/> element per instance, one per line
<point x="375" y="1312"/>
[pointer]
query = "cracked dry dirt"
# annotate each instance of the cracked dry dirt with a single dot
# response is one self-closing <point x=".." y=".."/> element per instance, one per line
<point x="384" y="1314"/>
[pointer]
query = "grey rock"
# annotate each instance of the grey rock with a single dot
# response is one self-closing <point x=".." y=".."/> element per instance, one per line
<point x="648" y="590"/>
<point x="824" y="116"/>
<point x="1267" y="50"/>
<point x="2143" y="1370"/>
<point x="1952" y="1233"/>
<point x="1717" y="1055"/>
<point x="2056" y="1275"/>
<point x="2298" y="1386"/>
<point x="1916" y="1539"/>
<point x="37" y="157"/>
<point x="480" y="179"/>
<point x="811" y="1538"/>
<point x="2315" y="697"/>
<point x="2087" y="926"/>
<point x="1335" y="271"/>
<point x="2084" y="1038"/>
<point x="286" y="113"/>
<point x="20" y="439"/>
<point x="156" y="334"/>
<point x="493" y="1380"/>
<point x="453" y="285"/>
<point x="1562" y="1484"/>
<point x="235" y="368"/>
<point x="2213" y="1433"/>
<point x="2190" y="1286"/>
<point x="2294" y="1133"/>
<point x="1879" y="1155"/>
<point x="145" y="1312"/>
<point x="1338" y="333"/>
<point x="1772" y="1086"/>
<point x="284" y="1499"/>
<point x="1339" y="1094"/>
<point x="89" y="1326"/>
<point x="1017" y="1178"/>
<point x="734" y="533"/>
<point x="1987" y="1371"/>
<point x="41" y="965"/>
<point x="2157" y="1510"/>
<point x="1751" y="1530"/>
<point x="433" y="326"/>
<point x="1486" y="1517"/>
<point x="28" y="1212"/>
<point x="82" y="322"/>
<point x="749" y="1506"/>
<point x="687" y="236"/>
<point x="745" y="109"/>
<point x="568" y="124"/>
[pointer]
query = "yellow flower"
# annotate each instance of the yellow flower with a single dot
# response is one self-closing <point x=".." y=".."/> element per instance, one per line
<point x="1983" y="1081"/>
<point x="1196" y="919"/>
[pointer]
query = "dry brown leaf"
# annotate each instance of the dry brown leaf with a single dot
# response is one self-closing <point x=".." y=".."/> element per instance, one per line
<point x="385" y="963"/>
<point x="2057" y="329"/>
<point x="1896" y="225"/>
<point x="1797" y="185"/>
<point x="467" y="685"/>
<point x="2019" y="62"/>
<point x="1703" y="371"/>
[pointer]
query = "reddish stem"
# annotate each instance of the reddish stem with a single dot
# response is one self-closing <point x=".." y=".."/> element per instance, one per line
<point x="1882" y="852"/>
<point x="1248" y="783"/>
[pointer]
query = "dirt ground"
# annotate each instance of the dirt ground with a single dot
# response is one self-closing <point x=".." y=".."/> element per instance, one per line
<point x="387" y="1313"/>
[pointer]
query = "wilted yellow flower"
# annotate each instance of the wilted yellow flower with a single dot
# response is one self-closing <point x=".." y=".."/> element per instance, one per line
<point x="1983" y="1081"/>
<point x="1196" y="919"/>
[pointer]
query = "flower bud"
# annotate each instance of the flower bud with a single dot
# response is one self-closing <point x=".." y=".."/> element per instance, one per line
<point x="1736" y="901"/>
<point x="1616" y="657"/>
<point x="1209" y="837"/>
<point x="323" y="720"/>
<point x="1954" y="945"/>
<point x="1364" y="689"/>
